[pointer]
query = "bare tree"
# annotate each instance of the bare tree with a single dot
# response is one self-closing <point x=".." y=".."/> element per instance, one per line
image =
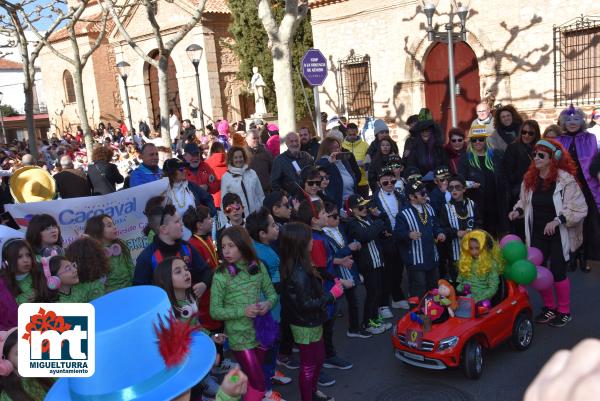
<point x="12" y="26"/>
<point x="164" y="49"/>
<point x="78" y="60"/>
<point x="281" y="40"/>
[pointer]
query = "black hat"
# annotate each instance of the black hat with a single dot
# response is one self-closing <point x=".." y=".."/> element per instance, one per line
<point x="413" y="174"/>
<point x="386" y="172"/>
<point x="191" y="148"/>
<point x="458" y="178"/>
<point x="414" y="187"/>
<point x="355" y="201"/>
<point x="392" y="160"/>
<point x="171" y="165"/>
<point x="442" y="172"/>
<point x="422" y="125"/>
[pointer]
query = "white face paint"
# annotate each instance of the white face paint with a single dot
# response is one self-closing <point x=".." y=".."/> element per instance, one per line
<point x="573" y="123"/>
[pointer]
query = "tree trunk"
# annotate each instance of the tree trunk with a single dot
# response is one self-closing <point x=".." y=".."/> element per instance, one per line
<point x="81" y="109"/>
<point x="31" y="136"/>
<point x="163" y="95"/>
<point x="284" y="88"/>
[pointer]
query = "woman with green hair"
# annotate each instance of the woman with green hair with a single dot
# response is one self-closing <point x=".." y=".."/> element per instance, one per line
<point x="481" y="167"/>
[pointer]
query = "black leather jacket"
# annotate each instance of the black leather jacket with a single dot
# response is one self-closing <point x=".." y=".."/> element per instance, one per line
<point x="303" y="301"/>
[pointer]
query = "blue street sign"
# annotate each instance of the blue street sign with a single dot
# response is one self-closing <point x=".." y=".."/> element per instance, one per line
<point x="314" y="67"/>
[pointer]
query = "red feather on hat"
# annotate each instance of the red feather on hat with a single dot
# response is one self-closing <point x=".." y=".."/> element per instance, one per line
<point x="174" y="339"/>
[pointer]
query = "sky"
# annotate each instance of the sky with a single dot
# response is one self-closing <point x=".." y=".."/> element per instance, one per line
<point x="44" y="23"/>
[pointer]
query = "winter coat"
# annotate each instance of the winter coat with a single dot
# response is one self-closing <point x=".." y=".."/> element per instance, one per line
<point x="335" y="189"/>
<point x="244" y="182"/>
<point x="312" y="148"/>
<point x="359" y="150"/>
<point x="515" y="162"/>
<point x="367" y="232"/>
<point x="453" y="157"/>
<point x="303" y="300"/>
<point x="421" y="254"/>
<point x="568" y="202"/>
<point x="218" y="163"/>
<point x="504" y="136"/>
<point x="261" y="161"/>
<point x="203" y="175"/>
<point x="143" y="175"/>
<point x="103" y="177"/>
<point x="425" y="160"/>
<point x="286" y="171"/>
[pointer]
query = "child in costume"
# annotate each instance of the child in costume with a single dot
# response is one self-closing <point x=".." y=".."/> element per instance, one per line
<point x="43" y="233"/>
<point x="235" y="299"/>
<point x="13" y="387"/>
<point x="103" y="229"/>
<point x="479" y="266"/>
<point x="304" y="303"/>
<point x="92" y="266"/>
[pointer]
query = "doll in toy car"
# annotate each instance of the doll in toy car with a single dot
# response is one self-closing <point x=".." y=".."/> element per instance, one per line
<point x="479" y="267"/>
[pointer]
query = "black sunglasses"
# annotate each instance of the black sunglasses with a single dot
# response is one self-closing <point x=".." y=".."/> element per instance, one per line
<point x="458" y="187"/>
<point x="361" y="208"/>
<point x="314" y="183"/>
<point x="475" y="140"/>
<point x="324" y="178"/>
<point x="456" y="140"/>
<point x="388" y="182"/>
<point x="540" y="155"/>
<point x="333" y="215"/>
<point x="527" y="132"/>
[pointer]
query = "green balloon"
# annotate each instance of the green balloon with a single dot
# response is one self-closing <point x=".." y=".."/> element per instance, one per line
<point x="522" y="272"/>
<point x="514" y="251"/>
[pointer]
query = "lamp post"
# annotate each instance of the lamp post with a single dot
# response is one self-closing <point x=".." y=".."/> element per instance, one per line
<point x="194" y="53"/>
<point x="450" y="37"/>
<point x="123" y="68"/>
<point x="2" y="117"/>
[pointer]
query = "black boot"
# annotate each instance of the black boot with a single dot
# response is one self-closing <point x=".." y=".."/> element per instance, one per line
<point x="583" y="263"/>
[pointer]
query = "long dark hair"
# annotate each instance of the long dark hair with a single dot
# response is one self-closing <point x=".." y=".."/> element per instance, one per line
<point x="532" y="124"/>
<point x="293" y="249"/>
<point x="240" y="237"/>
<point x="10" y="255"/>
<point x="39" y="223"/>
<point x="95" y="229"/>
<point x="11" y="385"/>
<point x="163" y="278"/>
<point x="91" y="260"/>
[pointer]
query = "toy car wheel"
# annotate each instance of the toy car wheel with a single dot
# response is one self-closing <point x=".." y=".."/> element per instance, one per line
<point x="472" y="359"/>
<point x="522" y="332"/>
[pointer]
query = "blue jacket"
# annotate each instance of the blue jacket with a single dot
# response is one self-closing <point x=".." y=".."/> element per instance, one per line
<point x="203" y="198"/>
<point x="143" y="175"/>
<point x="422" y="253"/>
<point x="341" y="251"/>
<point x="437" y="200"/>
<point x="270" y="259"/>
<point x="335" y="190"/>
<point x="151" y="256"/>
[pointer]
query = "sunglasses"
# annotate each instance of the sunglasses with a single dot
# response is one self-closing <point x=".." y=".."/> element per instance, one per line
<point x="455" y="188"/>
<point x="442" y="179"/>
<point x="540" y="155"/>
<point x="324" y="178"/>
<point x="527" y="132"/>
<point x="235" y="206"/>
<point x="422" y="193"/>
<point x="475" y="140"/>
<point x="385" y="183"/>
<point x="457" y="140"/>
<point x="333" y="215"/>
<point x="314" y="183"/>
<point x="394" y="166"/>
<point x="361" y="208"/>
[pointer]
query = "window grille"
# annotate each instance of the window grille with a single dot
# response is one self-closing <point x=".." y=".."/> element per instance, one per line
<point x="356" y="86"/>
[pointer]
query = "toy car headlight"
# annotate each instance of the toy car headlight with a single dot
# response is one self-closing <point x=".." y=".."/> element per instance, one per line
<point x="448" y="343"/>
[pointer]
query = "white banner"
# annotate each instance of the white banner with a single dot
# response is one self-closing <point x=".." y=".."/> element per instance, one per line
<point x="126" y="208"/>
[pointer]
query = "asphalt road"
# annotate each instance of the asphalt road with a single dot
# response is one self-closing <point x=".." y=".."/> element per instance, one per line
<point x="378" y="376"/>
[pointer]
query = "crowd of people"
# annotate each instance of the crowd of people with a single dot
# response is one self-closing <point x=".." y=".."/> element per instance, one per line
<point x="255" y="247"/>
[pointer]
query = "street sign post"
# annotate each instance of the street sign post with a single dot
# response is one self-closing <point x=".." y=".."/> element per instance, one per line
<point x="314" y="70"/>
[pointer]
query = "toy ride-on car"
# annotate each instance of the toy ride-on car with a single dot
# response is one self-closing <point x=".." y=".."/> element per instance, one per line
<point x="461" y="340"/>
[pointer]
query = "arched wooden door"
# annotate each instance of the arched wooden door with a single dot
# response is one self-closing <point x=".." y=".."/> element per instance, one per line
<point x="437" y="94"/>
<point x="173" y="93"/>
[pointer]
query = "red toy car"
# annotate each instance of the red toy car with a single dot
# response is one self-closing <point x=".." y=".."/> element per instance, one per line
<point x="461" y="340"/>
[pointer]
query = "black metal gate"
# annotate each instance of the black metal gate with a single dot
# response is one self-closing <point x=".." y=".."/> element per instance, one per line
<point x="577" y="62"/>
<point x="356" y="85"/>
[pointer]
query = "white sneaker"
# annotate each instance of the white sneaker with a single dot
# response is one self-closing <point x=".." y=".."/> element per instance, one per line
<point x="386" y="326"/>
<point x="400" y="304"/>
<point x="385" y="312"/>
<point x="272" y="396"/>
<point x="375" y="329"/>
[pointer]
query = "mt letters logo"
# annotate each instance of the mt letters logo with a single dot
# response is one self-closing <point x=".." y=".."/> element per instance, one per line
<point x="56" y="340"/>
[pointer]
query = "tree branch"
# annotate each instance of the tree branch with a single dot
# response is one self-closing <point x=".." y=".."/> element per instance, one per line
<point x="266" y="16"/>
<point x="187" y="27"/>
<point x="98" y="41"/>
<point x="155" y="27"/>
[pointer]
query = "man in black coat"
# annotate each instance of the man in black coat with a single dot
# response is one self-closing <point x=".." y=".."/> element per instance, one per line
<point x="288" y="165"/>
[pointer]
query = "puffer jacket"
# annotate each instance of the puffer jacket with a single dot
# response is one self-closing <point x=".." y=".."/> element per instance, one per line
<point x="568" y="202"/>
<point x="244" y="182"/>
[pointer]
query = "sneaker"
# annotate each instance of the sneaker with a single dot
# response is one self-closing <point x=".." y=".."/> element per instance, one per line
<point x="383" y="323"/>
<point x="272" y="396"/>
<point x="287" y="361"/>
<point x="361" y="333"/>
<point x="280" y="378"/>
<point x="225" y="366"/>
<point x="560" y="320"/>
<point x="325" y="380"/>
<point x="385" y="312"/>
<point x="545" y="316"/>
<point x="400" y="304"/>
<point x="335" y="362"/>
<point x="319" y="396"/>
<point x="374" y="328"/>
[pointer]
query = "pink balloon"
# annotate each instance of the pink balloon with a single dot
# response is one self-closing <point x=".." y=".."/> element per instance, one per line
<point x="535" y="256"/>
<point x="544" y="279"/>
<point x="507" y="238"/>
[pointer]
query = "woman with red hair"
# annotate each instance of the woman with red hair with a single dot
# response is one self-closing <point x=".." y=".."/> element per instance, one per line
<point x="554" y="207"/>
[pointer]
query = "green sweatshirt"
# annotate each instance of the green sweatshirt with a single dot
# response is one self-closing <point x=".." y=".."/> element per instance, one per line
<point x="229" y="297"/>
<point x="121" y="272"/>
<point x="33" y="388"/>
<point x="221" y="396"/>
<point x="482" y="287"/>
<point x="27" y="293"/>
<point x="83" y="292"/>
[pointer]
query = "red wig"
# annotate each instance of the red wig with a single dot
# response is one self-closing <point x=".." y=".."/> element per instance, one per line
<point x="565" y="163"/>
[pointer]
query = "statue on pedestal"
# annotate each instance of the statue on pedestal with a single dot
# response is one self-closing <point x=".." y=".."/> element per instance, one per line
<point x="257" y="83"/>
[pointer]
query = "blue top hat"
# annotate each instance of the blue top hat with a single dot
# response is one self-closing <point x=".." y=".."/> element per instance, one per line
<point x="128" y="363"/>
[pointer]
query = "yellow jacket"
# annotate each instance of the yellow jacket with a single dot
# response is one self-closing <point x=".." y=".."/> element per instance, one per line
<point x="359" y="149"/>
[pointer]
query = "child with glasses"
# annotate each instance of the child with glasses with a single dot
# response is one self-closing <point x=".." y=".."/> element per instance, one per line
<point x="438" y="198"/>
<point x="457" y="218"/>
<point x="417" y="229"/>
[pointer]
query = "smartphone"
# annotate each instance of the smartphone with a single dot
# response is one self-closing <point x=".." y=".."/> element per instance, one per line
<point x="344" y="156"/>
